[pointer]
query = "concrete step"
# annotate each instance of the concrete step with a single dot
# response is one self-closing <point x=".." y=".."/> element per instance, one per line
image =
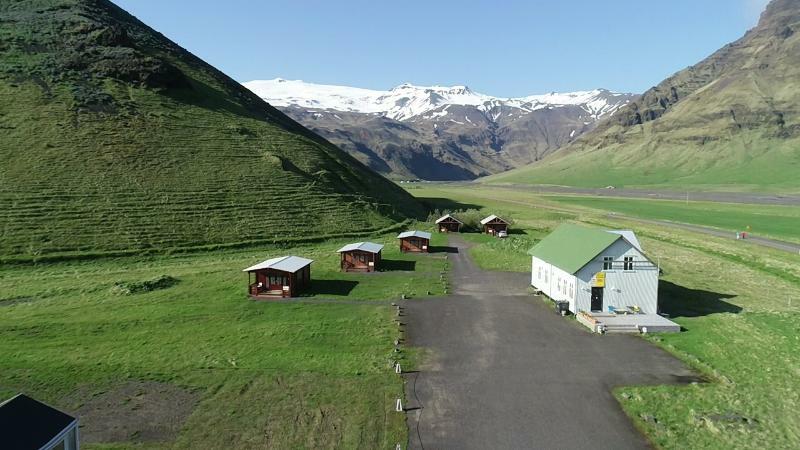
<point x="622" y="329"/>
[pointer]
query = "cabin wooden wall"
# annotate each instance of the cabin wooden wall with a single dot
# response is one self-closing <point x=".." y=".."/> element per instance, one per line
<point x="359" y="261"/>
<point x="415" y="245"/>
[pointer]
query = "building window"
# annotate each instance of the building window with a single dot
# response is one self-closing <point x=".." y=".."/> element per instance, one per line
<point x="608" y="262"/>
<point x="628" y="263"/>
<point x="540" y="272"/>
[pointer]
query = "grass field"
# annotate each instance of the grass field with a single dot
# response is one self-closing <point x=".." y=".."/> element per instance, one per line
<point x="780" y="222"/>
<point x="307" y="373"/>
<point x="740" y="310"/>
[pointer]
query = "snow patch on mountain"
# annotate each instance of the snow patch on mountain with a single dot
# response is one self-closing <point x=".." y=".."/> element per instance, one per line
<point x="407" y="101"/>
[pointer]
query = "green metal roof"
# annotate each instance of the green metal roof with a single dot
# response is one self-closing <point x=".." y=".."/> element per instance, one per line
<point x="570" y="247"/>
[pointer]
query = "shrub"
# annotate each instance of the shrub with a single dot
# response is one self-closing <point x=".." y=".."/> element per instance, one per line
<point x="138" y="287"/>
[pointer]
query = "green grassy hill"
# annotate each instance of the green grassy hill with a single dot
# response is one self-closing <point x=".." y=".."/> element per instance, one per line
<point x="116" y="140"/>
<point x="732" y="121"/>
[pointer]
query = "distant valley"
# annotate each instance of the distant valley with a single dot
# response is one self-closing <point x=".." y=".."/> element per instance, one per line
<point x="440" y="133"/>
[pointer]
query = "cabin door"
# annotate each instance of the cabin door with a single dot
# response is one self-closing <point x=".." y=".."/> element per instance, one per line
<point x="597" y="299"/>
<point x="277" y="282"/>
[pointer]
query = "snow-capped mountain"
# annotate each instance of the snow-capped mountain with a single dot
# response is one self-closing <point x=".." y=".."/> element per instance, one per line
<point x="437" y="132"/>
<point x="407" y="101"/>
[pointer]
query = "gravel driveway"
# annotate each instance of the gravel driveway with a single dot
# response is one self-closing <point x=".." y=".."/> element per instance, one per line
<point x="503" y="371"/>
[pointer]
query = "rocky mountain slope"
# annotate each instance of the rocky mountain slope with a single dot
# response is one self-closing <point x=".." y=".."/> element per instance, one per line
<point x="732" y="120"/>
<point x="116" y="140"/>
<point x="439" y="133"/>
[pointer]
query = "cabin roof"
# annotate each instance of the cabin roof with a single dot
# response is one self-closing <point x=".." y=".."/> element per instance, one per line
<point x="29" y="423"/>
<point x="414" y="233"/>
<point x="369" y="247"/>
<point x="491" y="218"/>
<point x="570" y="247"/>
<point x="289" y="264"/>
<point x="448" y="216"/>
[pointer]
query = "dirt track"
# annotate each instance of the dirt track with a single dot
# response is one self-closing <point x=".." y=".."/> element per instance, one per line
<point x="722" y="197"/>
<point x="752" y="239"/>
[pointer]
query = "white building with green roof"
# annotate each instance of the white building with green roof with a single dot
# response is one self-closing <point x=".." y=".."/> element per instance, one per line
<point x="595" y="270"/>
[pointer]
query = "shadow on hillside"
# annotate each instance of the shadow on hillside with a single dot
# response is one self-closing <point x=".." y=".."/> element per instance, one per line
<point x="205" y="96"/>
<point x="442" y="249"/>
<point x="446" y="204"/>
<point x="331" y="287"/>
<point x="679" y="301"/>
<point x="397" y="265"/>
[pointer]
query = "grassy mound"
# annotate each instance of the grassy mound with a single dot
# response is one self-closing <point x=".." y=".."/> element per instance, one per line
<point x="138" y="287"/>
<point x="115" y="140"/>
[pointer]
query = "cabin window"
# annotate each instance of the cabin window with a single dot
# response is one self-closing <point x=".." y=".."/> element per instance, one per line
<point x="608" y="262"/>
<point x="275" y="280"/>
<point x="627" y="263"/>
<point x="571" y="290"/>
<point x="540" y="272"/>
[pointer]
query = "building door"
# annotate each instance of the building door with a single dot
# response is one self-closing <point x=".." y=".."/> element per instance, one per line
<point x="597" y="299"/>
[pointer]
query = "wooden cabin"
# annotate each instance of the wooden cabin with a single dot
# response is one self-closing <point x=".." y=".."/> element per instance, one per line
<point x="494" y="224"/>
<point x="448" y="224"/>
<point x="282" y="277"/>
<point x="414" y="241"/>
<point x="360" y="257"/>
<point x="29" y="423"/>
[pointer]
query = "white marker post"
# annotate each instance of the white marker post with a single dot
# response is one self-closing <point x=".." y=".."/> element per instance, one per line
<point x="398" y="406"/>
<point x="397" y="368"/>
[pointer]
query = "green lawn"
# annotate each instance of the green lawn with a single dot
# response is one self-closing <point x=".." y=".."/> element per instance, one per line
<point x="300" y="374"/>
<point x="739" y="307"/>
<point x="509" y="254"/>
<point x="781" y="222"/>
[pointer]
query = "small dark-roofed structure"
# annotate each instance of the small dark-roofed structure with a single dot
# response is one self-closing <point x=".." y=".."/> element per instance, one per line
<point x="279" y="277"/>
<point x="26" y="423"/>
<point x="360" y="257"/>
<point x="414" y="241"/>
<point x="448" y="224"/>
<point x="494" y="224"/>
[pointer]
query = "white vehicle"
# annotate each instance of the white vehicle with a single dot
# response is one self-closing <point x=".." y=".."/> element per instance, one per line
<point x="502" y="234"/>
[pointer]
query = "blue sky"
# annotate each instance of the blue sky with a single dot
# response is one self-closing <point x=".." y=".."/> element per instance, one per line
<point x="502" y="48"/>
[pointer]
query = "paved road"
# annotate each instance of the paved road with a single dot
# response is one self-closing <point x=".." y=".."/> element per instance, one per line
<point x="503" y="371"/>
<point x="722" y="197"/>
<point x="758" y="240"/>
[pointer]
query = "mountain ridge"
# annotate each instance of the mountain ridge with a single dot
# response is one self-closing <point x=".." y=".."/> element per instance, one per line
<point x="439" y="132"/>
<point x="407" y="101"/>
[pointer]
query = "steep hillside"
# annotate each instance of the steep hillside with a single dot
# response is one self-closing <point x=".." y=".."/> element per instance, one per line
<point x="439" y="133"/>
<point x="116" y="140"/>
<point x="730" y="121"/>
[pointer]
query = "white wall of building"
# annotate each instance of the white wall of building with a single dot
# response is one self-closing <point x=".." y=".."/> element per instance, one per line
<point x="637" y="287"/>
<point x="554" y="282"/>
<point x="623" y="288"/>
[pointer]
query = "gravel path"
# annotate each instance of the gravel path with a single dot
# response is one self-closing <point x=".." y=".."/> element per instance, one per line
<point x="723" y="197"/>
<point x="503" y="371"/>
<point x="758" y="240"/>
